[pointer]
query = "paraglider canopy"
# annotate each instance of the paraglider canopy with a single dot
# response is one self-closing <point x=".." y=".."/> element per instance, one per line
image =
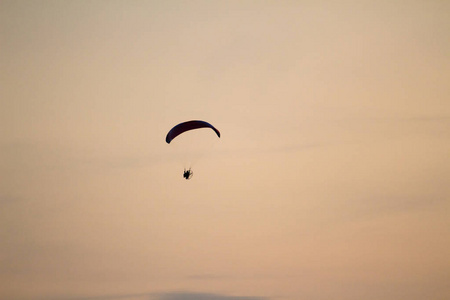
<point x="186" y="126"/>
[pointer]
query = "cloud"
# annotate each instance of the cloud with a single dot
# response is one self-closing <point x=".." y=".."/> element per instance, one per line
<point x="7" y="199"/>
<point x="139" y="296"/>
<point x="207" y="277"/>
<point x="203" y="296"/>
<point x="166" y="296"/>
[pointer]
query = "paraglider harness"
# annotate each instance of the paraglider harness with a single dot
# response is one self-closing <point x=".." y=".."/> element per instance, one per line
<point x="187" y="174"/>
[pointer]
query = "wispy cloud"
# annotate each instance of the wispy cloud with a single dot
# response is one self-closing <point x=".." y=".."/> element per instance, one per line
<point x="168" y="296"/>
<point x="207" y="277"/>
<point x="204" y="296"/>
<point x="111" y="297"/>
<point x="7" y="199"/>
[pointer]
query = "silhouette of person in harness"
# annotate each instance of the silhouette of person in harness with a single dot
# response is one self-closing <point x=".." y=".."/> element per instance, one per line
<point x="187" y="174"/>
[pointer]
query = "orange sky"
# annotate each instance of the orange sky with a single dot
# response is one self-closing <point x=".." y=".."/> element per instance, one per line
<point x="330" y="181"/>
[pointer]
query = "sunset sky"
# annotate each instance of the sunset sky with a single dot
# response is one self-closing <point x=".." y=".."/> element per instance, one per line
<point x="331" y="179"/>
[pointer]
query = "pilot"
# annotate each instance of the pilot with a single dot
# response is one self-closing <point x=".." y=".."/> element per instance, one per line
<point x="187" y="174"/>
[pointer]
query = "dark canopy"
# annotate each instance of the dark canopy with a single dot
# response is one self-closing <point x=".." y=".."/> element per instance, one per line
<point x="186" y="126"/>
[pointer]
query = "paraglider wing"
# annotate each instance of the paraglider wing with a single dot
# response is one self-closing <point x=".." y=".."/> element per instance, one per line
<point x="186" y="126"/>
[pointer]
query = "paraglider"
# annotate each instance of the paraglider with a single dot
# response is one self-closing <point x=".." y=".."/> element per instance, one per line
<point x="184" y="127"/>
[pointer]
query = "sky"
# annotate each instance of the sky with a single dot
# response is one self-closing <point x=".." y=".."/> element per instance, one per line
<point x="331" y="178"/>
